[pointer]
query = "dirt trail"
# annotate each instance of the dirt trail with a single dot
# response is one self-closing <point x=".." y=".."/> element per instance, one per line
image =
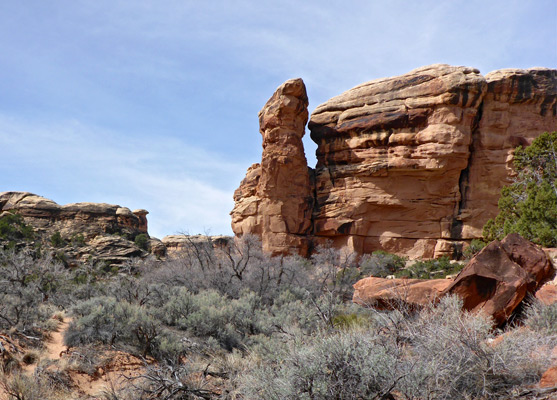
<point x="113" y="374"/>
<point x="55" y="346"/>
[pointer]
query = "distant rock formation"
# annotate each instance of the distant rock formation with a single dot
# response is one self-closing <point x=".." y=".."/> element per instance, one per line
<point x="97" y="231"/>
<point x="412" y="164"/>
<point x="176" y="244"/>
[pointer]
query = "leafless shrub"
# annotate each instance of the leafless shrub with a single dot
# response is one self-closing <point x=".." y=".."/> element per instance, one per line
<point x="30" y="288"/>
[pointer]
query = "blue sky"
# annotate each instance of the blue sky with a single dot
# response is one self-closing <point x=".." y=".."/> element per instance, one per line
<point x="153" y="104"/>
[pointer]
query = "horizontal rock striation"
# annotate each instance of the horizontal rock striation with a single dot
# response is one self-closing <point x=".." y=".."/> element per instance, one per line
<point x="412" y="164"/>
<point x="102" y="231"/>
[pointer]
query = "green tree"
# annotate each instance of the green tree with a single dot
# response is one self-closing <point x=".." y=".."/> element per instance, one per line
<point x="529" y="205"/>
<point x="13" y="228"/>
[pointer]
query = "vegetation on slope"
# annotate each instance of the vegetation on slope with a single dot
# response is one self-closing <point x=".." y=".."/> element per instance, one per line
<point x="233" y="323"/>
<point x="529" y="205"/>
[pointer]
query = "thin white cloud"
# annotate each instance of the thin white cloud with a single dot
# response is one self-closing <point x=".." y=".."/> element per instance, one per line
<point x="184" y="188"/>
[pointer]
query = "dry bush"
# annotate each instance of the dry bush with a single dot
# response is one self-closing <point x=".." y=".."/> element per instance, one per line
<point x="438" y="353"/>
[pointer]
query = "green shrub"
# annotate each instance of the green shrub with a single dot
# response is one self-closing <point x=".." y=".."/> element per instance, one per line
<point x="529" y="205"/>
<point x="13" y="229"/>
<point x="56" y="240"/>
<point x="381" y="264"/>
<point x="142" y="241"/>
<point x="474" y="248"/>
<point x="430" y="269"/>
<point x="78" y="240"/>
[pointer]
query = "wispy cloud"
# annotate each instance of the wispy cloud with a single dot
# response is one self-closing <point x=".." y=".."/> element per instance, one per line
<point x="185" y="188"/>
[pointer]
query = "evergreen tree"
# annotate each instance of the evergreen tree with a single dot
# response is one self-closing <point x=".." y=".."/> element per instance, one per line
<point x="529" y="205"/>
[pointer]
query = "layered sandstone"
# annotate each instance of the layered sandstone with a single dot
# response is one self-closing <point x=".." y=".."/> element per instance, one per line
<point x="275" y="198"/>
<point x="102" y="231"/>
<point x="412" y="164"/>
<point x="518" y="106"/>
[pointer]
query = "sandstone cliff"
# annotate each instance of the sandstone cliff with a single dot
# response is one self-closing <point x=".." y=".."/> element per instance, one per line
<point x="97" y="231"/>
<point x="412" y="164"/>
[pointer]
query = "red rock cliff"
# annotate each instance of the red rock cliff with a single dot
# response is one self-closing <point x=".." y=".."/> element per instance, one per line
<point x="412" y="164"/>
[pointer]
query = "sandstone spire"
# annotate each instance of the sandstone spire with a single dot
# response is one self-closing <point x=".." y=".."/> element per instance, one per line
<point x="275" y="198"/>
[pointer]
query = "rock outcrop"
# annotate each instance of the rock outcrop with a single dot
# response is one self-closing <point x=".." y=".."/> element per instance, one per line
<point x="500" y="276"/>
<point x="384" y="293"/>
<point x="518" y="106"/>
<point x="494" y="282"/>
<point x="275" y="198"/>
<point x="179" y="243"/>
<point x="97" y="231"/>
<point x="412" y="164"/>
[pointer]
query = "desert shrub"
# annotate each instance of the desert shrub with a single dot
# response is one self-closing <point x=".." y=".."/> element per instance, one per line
<point x="13" y="228"/>
<point x="46" y="385"/>
<point x="437" y="353"/>
<point x="529" y="205"/>
<point x="474" y="248"/>
<point x="170" y="382"/>
<point x="142" y="241"/>
<point x="542" y="318"/>
<point x="381" y="264"/>
<point x="108" y="321"/>
<point x="346" y="365"/>
<point x="240" y="265"/>
<point x="56" y="240"/>
<point x="430" y="269"/>
<point x="30" y="290"/>
<point x="78" y="240"/>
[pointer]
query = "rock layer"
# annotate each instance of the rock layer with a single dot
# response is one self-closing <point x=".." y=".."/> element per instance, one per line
<point x="412" y="164"/>
<point x="275" y="199"/>
<point x="102" y="231"/>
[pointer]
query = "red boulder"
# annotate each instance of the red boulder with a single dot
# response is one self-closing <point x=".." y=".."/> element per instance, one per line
<point x="498" y="278"/>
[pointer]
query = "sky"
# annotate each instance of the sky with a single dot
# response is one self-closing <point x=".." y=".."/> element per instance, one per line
<point x="153" y="104"/>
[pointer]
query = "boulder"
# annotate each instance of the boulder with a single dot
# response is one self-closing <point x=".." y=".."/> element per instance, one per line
<point x="547" y="294"/>
<point x="500" y="276"/>
<point x="549" y="378"/>
<point x="412" y="164"/>
<point x="383" y="293"/>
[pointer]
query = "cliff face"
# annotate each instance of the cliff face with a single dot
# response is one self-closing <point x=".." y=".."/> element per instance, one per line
<point x="97" y="231"/>
<point x="412" y="164"/>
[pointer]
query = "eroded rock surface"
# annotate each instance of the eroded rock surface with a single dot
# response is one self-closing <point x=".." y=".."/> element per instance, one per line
<point x="275" y="199"/>
<point x="102" y="232"/>
<point x="412" y="164"/>
<point x="500" y="276"/>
